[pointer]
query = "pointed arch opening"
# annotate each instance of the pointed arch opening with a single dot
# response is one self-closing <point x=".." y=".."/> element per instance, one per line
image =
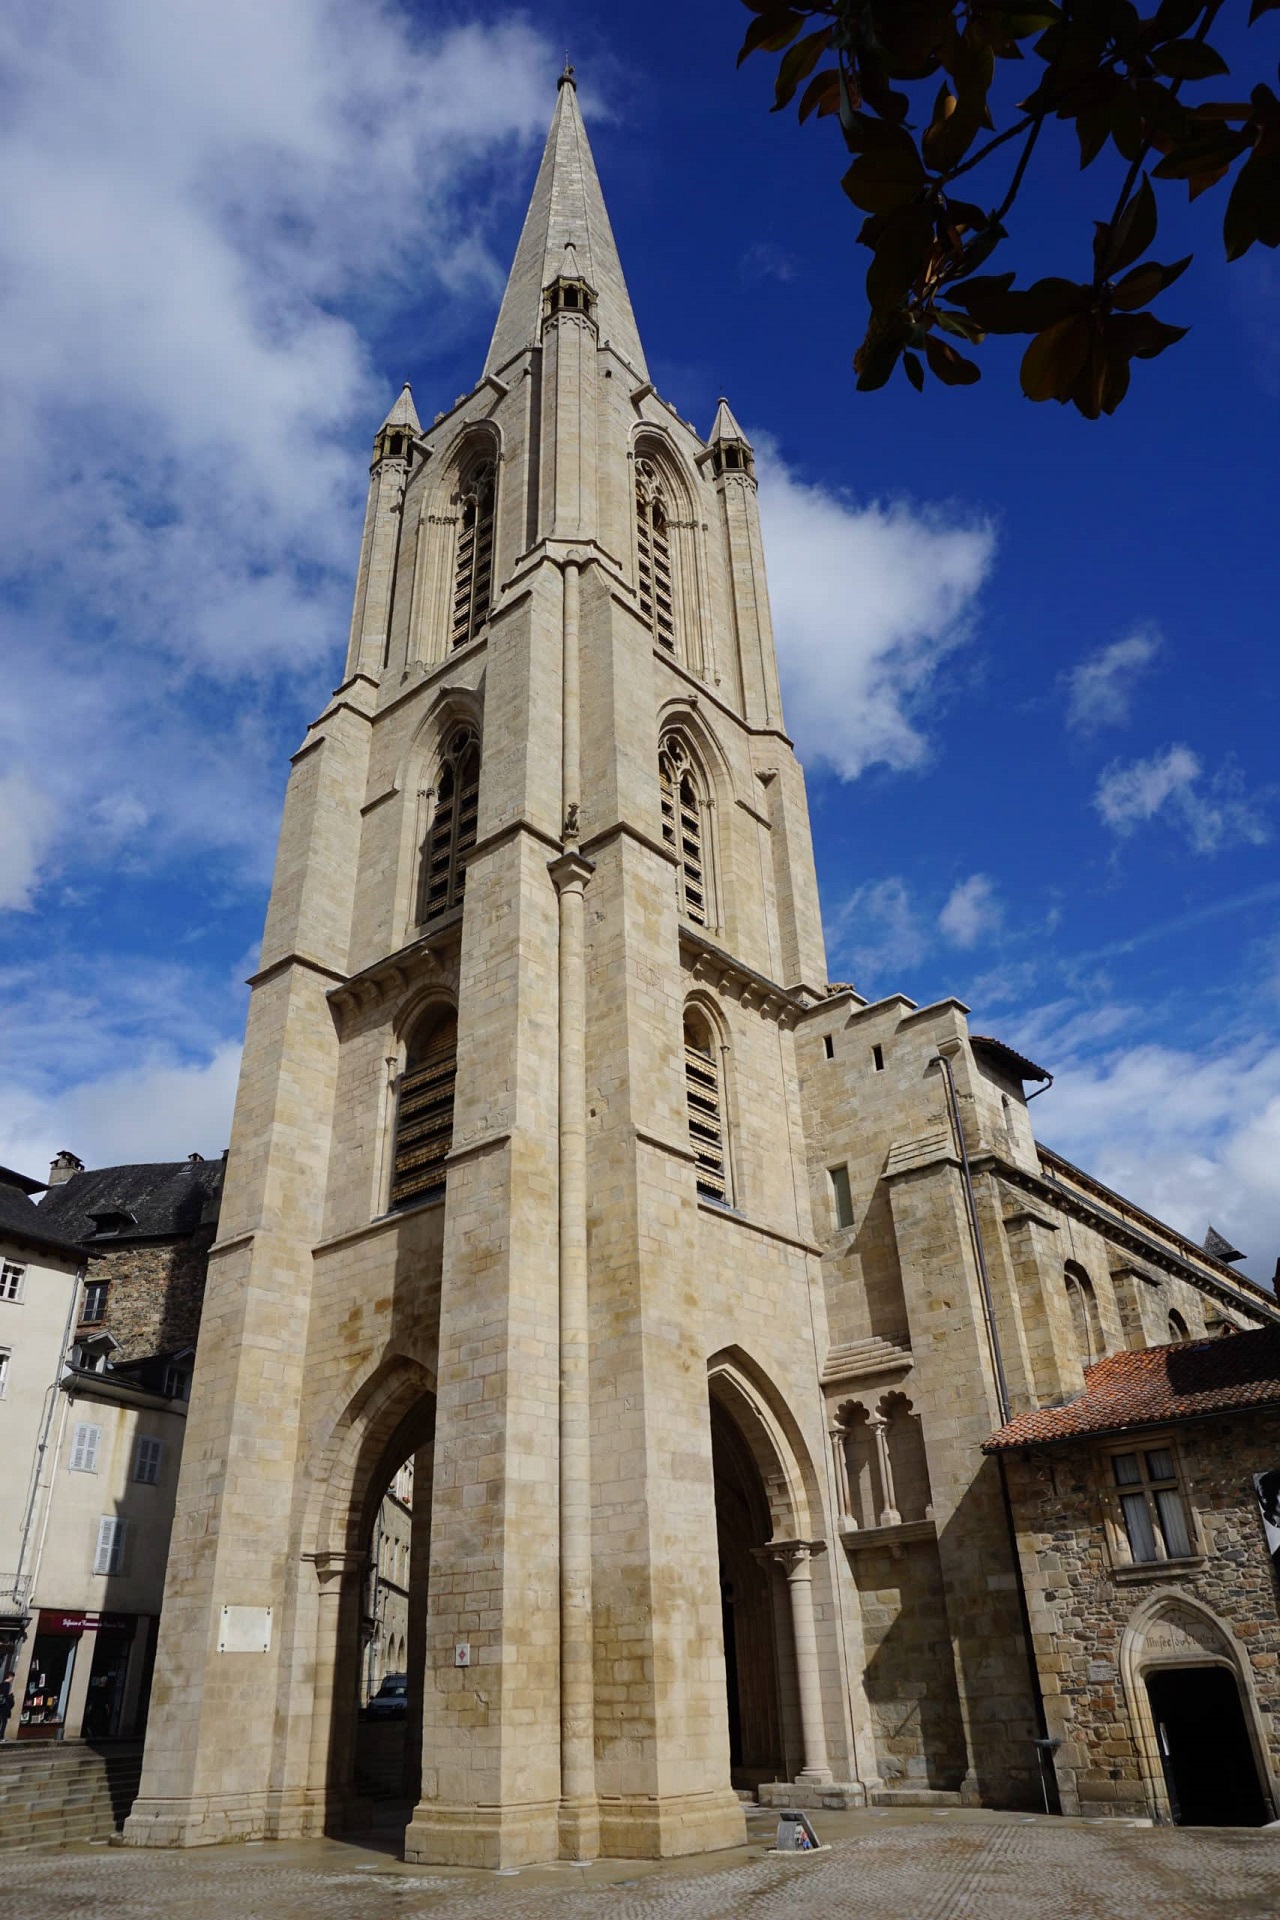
<point x="1085" y="1319"/>
<point x="451" y="832"/>
<point x="424" y="1109"/>
<point x="705" y="1103"/>
<point x="683" y="799"/>
<point x="655" y="580"/>
<point x="473" y="564"/>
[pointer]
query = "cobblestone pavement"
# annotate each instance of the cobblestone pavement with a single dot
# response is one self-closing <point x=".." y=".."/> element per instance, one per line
<point x="926" y="1866"/>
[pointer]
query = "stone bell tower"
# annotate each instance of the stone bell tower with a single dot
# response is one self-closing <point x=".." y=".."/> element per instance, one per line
<point x="517" y="1181"/>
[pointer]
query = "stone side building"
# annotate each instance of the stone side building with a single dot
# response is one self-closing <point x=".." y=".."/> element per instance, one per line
<point x="1141" y="1509"/>
<point x="101" y="1479"/>
<point x="691" y="1283"/>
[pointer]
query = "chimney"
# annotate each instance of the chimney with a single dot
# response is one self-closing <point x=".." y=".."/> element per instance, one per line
<point x="63" y="1166"/>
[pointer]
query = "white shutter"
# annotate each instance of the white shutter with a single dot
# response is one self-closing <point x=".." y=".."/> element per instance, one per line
<point x="84" y="1448"/>
<point x="146" y="1460"/>
<point x="4" y="1371"/>
<point x="110" y="1548"/>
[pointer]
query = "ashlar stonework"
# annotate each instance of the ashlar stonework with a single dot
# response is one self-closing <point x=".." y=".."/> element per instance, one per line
<point x="558" y="1166"/>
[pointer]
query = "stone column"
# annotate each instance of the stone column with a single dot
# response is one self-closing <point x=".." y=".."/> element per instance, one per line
<point x="889" y="1515"/>
<point x="339" y="1576"/>
<point x="796" y="1558"/>
<point x="839" y="1444"/>
<point x="579" y="1818"/>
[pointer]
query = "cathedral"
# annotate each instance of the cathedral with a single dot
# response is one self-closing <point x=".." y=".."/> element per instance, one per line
<point x="691" y="1283"/>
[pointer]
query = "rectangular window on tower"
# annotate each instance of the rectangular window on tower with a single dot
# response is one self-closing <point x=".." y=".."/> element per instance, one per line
<point x="841" y="1196"/>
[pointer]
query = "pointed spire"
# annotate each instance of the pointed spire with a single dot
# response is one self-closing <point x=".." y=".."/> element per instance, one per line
<point x="567" y="209"/>
<point x="403" y="413"/>
<point x="725" y="427"/>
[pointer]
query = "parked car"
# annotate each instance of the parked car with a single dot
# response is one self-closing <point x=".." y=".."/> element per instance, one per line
<point x="391" y="1701"/>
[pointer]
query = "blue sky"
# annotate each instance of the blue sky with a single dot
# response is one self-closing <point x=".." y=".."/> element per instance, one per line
<point x="1029" y="661"/>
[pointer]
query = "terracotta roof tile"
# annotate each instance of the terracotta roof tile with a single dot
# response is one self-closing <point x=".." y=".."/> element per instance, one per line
<point x="1180" y="1382"/>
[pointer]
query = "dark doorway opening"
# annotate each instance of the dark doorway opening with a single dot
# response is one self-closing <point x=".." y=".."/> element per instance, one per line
<point x="393" y="1620"/>
<point x="748" y="1609"/>
<point x="1205" y="1749"/>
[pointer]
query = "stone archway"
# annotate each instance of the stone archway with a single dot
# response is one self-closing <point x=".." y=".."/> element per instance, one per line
<point x="390" y="1421"/>
<point x="1172" y="1632"/>
<point x="764" y="1509"/>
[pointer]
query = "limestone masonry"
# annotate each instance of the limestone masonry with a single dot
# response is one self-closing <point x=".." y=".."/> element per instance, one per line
<point x="691" y="1284"/>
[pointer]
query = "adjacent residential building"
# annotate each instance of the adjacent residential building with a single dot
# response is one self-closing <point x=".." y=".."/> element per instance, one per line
<point x="41" y="1263"/>
<point x="1147" y="1512"/>
<point x="104" y="1478"/>
<point x="386" y="1623"/>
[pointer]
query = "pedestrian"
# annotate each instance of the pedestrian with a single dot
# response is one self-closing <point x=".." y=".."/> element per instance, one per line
<point x="6" y="1707"/>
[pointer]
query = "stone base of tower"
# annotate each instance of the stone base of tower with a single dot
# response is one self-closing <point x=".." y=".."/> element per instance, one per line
<point x="211" y="1820"/>
<point x="469" y="1836"/>
<point x="664" y="1827"/>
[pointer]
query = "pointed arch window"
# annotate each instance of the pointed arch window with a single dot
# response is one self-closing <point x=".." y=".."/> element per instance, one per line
<point x="1085" y="1318"/>
<point x="704" y="1097"/>
<point x="473" y="572"/>
<point x="424" y="1111"/>
<point x="452" y="833"/>
<point x="653" y="556"/>
<point x="683" y="826"/>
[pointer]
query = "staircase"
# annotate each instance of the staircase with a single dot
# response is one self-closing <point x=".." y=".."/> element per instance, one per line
<point x="56" y="1793"/>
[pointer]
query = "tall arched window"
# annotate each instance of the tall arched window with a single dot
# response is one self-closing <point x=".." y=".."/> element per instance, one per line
<point x="653" y="556"/>
<point x="1084" y="1314"/>
<point x="704" y="1095"/>
<point x="682" y="825"/>
<point x="473" y="574"/>
<point x="1177" y="1326"/>
<point x="424" y="1113"/>
<point x="452" y="832"/>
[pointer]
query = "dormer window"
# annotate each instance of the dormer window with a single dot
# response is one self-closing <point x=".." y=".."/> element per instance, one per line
<point x="113" y="1220"/>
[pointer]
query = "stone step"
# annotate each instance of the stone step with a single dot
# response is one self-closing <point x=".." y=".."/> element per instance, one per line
<point x="50" y="1798"/>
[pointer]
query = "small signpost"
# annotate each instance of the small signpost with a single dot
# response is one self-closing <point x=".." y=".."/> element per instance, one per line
<point x="796" y="1834"/>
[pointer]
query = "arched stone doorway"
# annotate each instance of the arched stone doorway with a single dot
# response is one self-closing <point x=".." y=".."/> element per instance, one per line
<point x="367" y="1768"/>
<point x="773" y="1694"/>
<point x="1190" y="1693"/>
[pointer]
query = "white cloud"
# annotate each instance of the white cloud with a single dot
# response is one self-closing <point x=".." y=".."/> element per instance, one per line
<point x="1209" y="814"/>
<point x="972" y="912"/>
<point x="866" y="601"/>
<point x="1100" y="688"/>
<point x="26" y="828"/>
<point x="877" y="932"/>
<point x="1192" y="1135"/>
<point x="161" y="1109"/>
<point x="205" y="208"/>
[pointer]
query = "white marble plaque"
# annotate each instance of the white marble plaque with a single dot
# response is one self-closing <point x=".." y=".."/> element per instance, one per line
<point x="245" y="1630"/>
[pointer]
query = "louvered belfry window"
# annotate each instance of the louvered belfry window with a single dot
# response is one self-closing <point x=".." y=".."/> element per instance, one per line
<point x="682" y="826"/>
<point x="452" y="833"/>
<point x="706" y="1119"/>
<point x="653" y="557"/>
<point x="424" y="1114"/>
<point x="473" y="575"/>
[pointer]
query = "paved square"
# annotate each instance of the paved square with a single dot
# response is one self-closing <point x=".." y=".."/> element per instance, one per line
<point x="922" y="1866"/>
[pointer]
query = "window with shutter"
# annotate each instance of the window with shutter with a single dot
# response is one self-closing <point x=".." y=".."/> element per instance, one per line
<point x="653" y="557"/>
<point x="4" y="1371"/>
<point x="452" y="832"/>
<point x="109" y="1554"/>
<point x="473" y="571"/>
<point x="146" y="1460"/>
<point x="703" y="1097"/>
<point x="85" y="1441"/>
<point x="682" y="813"/>
<point x="424" y="1111"/>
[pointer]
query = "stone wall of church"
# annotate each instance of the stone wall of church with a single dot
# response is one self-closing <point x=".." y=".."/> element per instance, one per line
<point x="910" y="1673"/>
<point x="1083" y="1594"/>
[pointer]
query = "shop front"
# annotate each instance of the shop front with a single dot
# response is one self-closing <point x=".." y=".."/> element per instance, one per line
<point x="77" y="1679"/>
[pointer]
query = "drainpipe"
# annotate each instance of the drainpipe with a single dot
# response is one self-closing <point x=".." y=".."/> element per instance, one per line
<point x="984" y="1278"/>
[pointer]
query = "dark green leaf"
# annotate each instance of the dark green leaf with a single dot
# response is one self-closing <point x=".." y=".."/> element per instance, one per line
<point x="1145" y="282"/>
<point x="1053" y="362"/>
<point x="875" y="361"/>
<point x="822" y="94"/>
<point x="1176" y="17"/>
<point x="915" y="372"/>
<point x="884" y="181"/>
<point x="949" y="366"/>
<point x="999" y="310"/>
<point x="798" y="64"/>
<point x="902" y="244"/>
<point x="1141" y="334"/>
<point x="1128" y="238"/>
<point x="1260" y="7"/>
<point x="959" y="324"/>
<point x="1253" y="211"/>
<point x="1188" y="60"/>
<point x="772" y="31"/>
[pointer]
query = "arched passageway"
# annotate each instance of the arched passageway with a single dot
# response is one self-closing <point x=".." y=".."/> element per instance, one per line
<point x="1206" y="1754"/>
<point x="748" y="1600"/>
<point x="372" y="1621"/>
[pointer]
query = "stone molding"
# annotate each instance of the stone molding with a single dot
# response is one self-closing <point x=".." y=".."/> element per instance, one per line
<point x="753" y="991"/>
<point x="864" y="1359"/>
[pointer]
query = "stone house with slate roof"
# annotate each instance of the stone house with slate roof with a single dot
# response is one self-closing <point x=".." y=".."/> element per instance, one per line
<point x="691" y="1281"/>
<point x="99" y="1480"/>
<point x="1147" y="1515"/>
